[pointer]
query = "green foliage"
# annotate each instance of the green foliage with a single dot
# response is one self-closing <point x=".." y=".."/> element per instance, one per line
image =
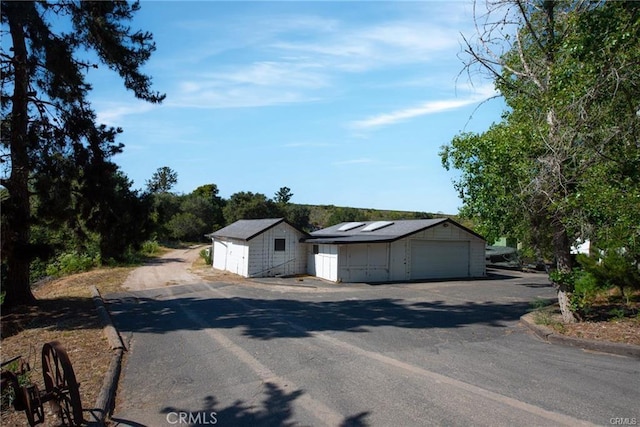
<point x="585" y="290"/>
<point x="205" y="254"/>
<point x="162" y="180"/>
<point x="564" y="161"/>
<point x="283" y="195"/>
<point x="614" y="269"/>
<point x="150" y="248"/>
<point x="339" y="215"/>
<point x="186" y="226"/>
<point x="59" y="154"/>
<point x="248" y="205"/>
<point x="298" y="216"/>
<point x="564" y="278"/>
<point x="71" y="263"/>
<point x="215" y="218"/>
<point x="618" y="313"/>
<point x="8" y="393"/>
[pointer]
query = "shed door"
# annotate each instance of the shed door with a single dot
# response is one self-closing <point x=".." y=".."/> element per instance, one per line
<point x="439" y="259"/>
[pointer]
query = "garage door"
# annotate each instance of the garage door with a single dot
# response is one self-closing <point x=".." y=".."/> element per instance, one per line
<point x="439" y="259"/>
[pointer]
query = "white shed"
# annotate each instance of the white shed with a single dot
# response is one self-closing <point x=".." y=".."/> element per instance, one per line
<point x="384" y="251"/>
<point x="260" y="248"/>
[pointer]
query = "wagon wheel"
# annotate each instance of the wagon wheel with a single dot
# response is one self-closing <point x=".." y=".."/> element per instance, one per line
<point x="60" y="382"/>
<point x="33" y="408"/>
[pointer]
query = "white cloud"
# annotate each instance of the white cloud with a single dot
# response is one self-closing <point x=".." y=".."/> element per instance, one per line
<point x="426" y="108"/>
<point x="113" y="114"/>
<point x="257" y="84"/>
<point x="376" y="46"/>
<point x="238" y="97"/>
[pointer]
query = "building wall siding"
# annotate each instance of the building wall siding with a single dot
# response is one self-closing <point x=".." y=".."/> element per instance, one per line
<point x="391" y="261"/>
<point x="265" y="261"/>
<point x="365" y="263"/>
<point x="325" y="262"/>
<point x="230" y="255"/>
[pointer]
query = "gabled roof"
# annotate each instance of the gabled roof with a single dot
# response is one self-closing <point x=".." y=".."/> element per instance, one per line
<point x="247" y="229"/>
<point x="381" y="231"/>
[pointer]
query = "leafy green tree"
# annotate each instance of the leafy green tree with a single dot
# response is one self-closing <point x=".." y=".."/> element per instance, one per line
<point x="569" y="75"/>
<point x="48" y="129"/>
<point x="209" y="192"/>
<point x="248" y="205"/>
<point x="186" y="226"/>
<point x="119" y="215"/>
<point x="299" y="216"/>
<point x="162" y="180"/>
<point x="164" y="206"/>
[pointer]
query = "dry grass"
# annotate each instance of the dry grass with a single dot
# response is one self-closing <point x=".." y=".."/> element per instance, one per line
<point x="65" y="312"/>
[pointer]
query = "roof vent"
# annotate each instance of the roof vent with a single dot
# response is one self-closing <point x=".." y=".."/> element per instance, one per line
<point x="377" y="225"/>
<point x="350" y="226"/>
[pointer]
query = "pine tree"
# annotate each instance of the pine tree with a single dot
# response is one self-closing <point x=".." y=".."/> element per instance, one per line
<point x="49" y="130"/>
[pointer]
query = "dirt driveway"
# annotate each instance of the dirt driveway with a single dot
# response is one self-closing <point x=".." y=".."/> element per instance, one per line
<point x="172" y="268"/>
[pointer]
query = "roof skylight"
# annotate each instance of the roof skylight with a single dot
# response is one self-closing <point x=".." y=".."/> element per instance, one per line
<point x="350" y="226"/>
<point x="377" y="225"/>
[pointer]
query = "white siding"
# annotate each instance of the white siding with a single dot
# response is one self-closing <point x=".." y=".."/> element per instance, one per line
<point x="454" y="253"/>
<point x="325" y="262"/>
<point x="364" y="263"/>
<point x="477" y="261"/>
<point x="231" y="256"/>
<point x="265" y="261"/>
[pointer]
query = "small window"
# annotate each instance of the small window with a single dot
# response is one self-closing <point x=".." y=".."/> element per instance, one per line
<point x="316" y="249"/>
<point x="279" y="245"/>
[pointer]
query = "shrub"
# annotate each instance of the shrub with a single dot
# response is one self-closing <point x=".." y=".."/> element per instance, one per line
<point x="585" y="290"/>
<point x="72" y="262"/>
<point x="206" y="255"/>
<point x="150" y="247"/>
<point x="615" y="269"/>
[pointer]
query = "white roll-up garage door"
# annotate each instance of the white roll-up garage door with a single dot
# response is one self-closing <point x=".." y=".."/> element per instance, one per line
<point x="439" y="259"/>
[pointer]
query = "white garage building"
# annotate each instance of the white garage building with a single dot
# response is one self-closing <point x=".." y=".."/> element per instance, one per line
<point x="260" y="248"/>
<point x="384" y="251"/>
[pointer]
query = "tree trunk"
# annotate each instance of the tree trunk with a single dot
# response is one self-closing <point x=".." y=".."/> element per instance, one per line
<point x="562" y="251"/>
<point x="17" y="208"/>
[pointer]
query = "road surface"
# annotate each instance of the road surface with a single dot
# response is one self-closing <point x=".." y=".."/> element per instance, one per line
<point x="313" y="354"/>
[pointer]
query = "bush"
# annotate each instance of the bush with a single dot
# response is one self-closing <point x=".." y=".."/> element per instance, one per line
<point x="73" y="262"/>
<point x="585" y="290"/>
<point x="150" y="247"/>
<point x="206" y="255"/>
<point x="615" y="269"/>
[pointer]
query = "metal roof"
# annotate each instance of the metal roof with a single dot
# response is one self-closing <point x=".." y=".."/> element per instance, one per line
<point x="247" y="229"/>
<point x="394" y="231"/>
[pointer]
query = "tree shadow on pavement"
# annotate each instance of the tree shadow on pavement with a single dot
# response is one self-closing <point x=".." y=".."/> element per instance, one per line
<point x="276" y="410"/>
<point x="266" y="319"/>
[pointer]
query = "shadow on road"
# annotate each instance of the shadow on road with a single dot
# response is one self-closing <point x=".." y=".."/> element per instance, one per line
<point x="276" y="410"/>
<point x="288" y="318"/>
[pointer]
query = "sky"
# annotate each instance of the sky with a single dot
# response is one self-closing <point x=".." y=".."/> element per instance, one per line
<point x="345" y="103"/>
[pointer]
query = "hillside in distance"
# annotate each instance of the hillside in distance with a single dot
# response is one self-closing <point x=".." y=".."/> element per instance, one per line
<point x="321" y="216"/>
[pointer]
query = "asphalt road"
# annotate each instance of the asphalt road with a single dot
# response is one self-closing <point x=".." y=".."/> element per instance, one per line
<point x="310" y="354"/>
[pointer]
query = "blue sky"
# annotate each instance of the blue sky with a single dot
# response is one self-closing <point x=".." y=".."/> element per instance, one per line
<point x="346" y="103"/>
